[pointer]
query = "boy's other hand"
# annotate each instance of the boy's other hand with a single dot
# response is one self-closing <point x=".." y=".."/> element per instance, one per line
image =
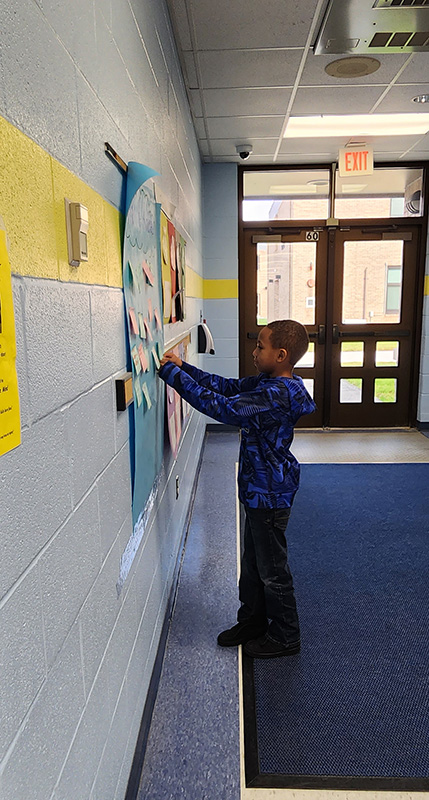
<point x="171" y="358"/>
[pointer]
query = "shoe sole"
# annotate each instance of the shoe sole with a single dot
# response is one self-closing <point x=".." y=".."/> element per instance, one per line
<point x="292" y="652"/>
<point x="242" y="640"/>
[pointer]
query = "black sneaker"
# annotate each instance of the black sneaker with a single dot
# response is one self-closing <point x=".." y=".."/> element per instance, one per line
<point x="240" y="634"/>
<point x="264" y="647"/>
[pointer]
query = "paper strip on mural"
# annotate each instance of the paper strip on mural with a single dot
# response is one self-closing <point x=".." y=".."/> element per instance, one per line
<point x="10" y="423"/>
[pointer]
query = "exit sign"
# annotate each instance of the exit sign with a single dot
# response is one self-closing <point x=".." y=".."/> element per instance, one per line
<point x="356" y="161"/>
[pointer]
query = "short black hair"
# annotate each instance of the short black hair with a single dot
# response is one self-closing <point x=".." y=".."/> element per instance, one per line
<point x="291" y="336"/>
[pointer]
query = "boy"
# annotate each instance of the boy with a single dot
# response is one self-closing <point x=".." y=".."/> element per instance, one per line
<point x="266" y="407"/>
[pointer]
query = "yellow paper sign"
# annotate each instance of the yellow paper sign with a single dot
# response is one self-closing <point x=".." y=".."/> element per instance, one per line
<point x="10" y="423"/>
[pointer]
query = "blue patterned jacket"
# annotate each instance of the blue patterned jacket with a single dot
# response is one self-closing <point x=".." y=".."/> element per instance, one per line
<point x="266" y="409"/>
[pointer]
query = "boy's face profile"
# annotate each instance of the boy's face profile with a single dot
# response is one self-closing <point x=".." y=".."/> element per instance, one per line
<point x="270" y="360"/>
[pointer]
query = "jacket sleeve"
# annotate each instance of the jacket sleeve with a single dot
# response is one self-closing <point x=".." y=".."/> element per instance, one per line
<point x="228" y="387"/>
<point x="235" y="410"/>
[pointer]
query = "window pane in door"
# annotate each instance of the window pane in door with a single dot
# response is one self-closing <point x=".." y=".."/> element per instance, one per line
<point x="387" y="354"/>
<point x="385" y="390"/>
<point x="286" y="282"/>
<point x="309" y="385"/>
<point x="308" y="359"/>
<point x="372" y="289"/>
<point x="351" y="390"/>
<point x="352" y="354"/>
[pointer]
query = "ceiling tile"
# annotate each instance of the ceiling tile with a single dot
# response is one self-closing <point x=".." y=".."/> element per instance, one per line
<point x="314" y="71"/>
<point x="399" y="99"/>
<point x="239" y="102"/>
<point x="226" y="147"/>
<point x="305" y="158"/>
<point x="204" y="147"/>
<point x="393" y="144"/>
<point x="244" y="128"/>
<point x="179" y="17"/>
<point x="195" y="99"/>
<point x="199" y="128"/>
<point x="252" y="23"/>
<point x="252" y="68"/>
<point x="422" y="144"/>
<point x="315" y="147"/>
<point x="191" y="79"/>
<point x="417" y="70"/>
<point x="336" y="100"/>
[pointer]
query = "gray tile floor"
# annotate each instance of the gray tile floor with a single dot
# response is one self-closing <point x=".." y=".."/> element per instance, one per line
<point x="328" y="447"/>
<point x="193" y="747"/>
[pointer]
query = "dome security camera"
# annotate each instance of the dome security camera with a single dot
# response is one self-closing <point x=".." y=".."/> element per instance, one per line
<point x="244" y="151"/>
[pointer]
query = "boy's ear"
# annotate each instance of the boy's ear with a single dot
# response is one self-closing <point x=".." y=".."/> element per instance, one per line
<point x="282" y="355"/>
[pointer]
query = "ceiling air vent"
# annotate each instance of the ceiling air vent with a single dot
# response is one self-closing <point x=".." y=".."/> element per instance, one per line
<point x="365" y="26"/>
<point x="401" y="3"/>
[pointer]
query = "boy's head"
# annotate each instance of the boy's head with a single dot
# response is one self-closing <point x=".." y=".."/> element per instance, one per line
<point x="280" y="345"/>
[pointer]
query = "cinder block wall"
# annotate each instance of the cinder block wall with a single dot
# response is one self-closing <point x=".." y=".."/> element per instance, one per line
<point x="76" y="660"/>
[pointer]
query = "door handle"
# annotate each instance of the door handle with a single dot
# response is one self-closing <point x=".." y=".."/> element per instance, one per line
<point x="320" y="334"/>
<point x="335" y="334"/>
<point x="251" y="335"/>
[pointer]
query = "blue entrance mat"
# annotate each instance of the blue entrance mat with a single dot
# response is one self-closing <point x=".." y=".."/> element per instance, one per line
<point x="352" y="709"/>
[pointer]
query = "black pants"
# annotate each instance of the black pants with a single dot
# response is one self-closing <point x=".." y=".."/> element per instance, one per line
<point x="266" y="586"/>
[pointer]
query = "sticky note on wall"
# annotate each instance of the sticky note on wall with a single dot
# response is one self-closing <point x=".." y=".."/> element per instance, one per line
<point x="133" y="321"/>
<point x="136" y="360"/>
<point x="146" y="396"/>
<point x="143" y="359"/>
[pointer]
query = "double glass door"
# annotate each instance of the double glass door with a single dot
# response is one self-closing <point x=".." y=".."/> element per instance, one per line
<point x="355" y="290"/>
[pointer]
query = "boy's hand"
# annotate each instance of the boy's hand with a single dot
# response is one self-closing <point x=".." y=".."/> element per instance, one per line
<point x="171" y="358"/>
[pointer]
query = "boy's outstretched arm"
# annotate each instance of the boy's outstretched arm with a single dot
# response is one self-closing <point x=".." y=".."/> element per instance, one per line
<point x="225" y="386"/>
<point x="234" y="410"/>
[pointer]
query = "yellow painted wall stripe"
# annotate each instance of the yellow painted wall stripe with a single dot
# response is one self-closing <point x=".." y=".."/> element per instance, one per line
<point x="426" y="284"/>
<point x="220" y="289"/>
<point x="194" y="283"/>
<point x="32" y="191"/>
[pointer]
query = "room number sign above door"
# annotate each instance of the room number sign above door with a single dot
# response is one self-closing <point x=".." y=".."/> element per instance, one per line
<point x="312" y="236"/>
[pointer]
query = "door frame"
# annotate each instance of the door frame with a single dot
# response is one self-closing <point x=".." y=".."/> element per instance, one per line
<point x="384" y="223"/>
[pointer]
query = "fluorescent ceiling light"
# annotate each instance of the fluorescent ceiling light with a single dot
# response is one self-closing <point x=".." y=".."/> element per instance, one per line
<point x="357" y="125"/>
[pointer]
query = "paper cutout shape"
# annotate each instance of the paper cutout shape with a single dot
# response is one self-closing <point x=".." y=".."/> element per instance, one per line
<point x="136" y="285"/>
<point x="148" y="272"/>
<point x="133" y="321"/>
<point x="136" y="175"/>
<point x="142" y="326"/>
<point x="166" y="288"/>
<point x="173" y="268"/>
<point x="136" y="360"/>
<point x="138" y="391"/>
<point x="150" y="309"/>
<point x="165" y="268"/>
<point x="146" y="396"/>
<point x="143" y="359"/>
<point x="157" y="319"/>
<point x="148" y="330"/>
<point x="155" y="358"/>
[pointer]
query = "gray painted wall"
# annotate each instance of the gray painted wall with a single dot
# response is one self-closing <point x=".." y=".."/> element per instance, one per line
<point x="220" y="254"/>
<point x="75" y="660"/>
